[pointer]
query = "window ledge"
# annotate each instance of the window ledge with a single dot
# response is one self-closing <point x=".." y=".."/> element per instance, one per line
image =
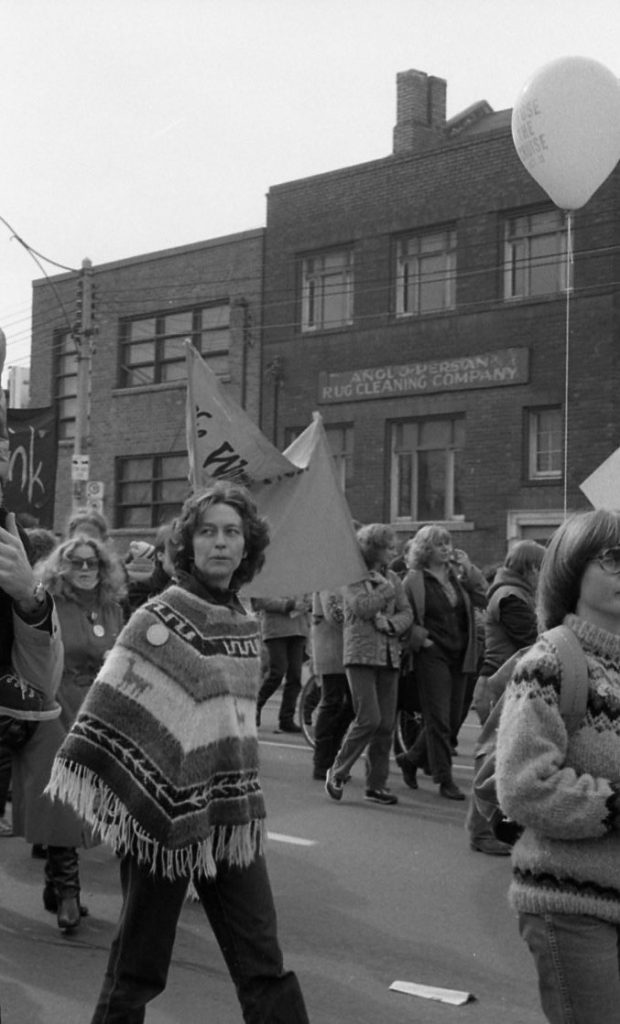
<point x="141" y="389"/>
<point x="452" y="525"/>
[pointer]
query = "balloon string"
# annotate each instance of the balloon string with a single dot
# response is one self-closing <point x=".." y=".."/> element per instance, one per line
<point x="569" y="289"/>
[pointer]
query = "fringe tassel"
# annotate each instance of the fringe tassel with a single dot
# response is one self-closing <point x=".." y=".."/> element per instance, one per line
<point x="92" y="800"/>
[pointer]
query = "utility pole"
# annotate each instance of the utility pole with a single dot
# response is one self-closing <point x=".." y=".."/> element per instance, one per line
<point x="83" y="331"/>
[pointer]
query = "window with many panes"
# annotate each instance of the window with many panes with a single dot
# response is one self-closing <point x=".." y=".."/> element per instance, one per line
<point x="66" y="384"/>
<point x="152" y="347"/>
<point x="150" y="489"/>
<point x="426" y="272"/>
<point x="534" y="254"/>
<point x="545" y="427"/>
<point x="327" y="290"/>
<point x="340" y="440"/>
<point x="427" y="469"/>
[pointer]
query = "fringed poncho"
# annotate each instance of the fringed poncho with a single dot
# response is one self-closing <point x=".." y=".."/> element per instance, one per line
<point x="162" y="760"/>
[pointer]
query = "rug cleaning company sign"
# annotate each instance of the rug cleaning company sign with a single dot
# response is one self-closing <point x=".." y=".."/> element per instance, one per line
<point x="489" y="370"/>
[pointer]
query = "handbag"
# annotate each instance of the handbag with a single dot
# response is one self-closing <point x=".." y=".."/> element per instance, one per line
<point x="15" y="733"/>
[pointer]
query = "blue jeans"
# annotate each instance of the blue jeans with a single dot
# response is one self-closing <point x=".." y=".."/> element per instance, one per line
<point x="374" y="691"/>
<point x="578" y="962"/>
<point x="239" y="905"/>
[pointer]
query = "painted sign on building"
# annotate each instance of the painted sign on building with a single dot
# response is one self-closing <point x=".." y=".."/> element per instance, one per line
<point x="488" y="370"/>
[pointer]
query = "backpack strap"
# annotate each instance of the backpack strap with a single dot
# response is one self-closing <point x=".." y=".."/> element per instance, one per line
<point x="574" y="677"/>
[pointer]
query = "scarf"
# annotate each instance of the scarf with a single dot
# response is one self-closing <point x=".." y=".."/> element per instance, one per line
<point x="162" y="760"/>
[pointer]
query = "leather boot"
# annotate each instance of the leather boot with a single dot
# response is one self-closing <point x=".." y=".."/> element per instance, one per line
<point x="63" y="881"/>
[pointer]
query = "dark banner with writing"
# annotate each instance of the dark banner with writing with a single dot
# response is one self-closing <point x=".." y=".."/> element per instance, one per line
<point x="32" y="465"/>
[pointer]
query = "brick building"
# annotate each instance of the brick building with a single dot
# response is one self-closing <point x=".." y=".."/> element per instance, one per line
<point x="419" y="303"/>
<point x="146" y="308"/>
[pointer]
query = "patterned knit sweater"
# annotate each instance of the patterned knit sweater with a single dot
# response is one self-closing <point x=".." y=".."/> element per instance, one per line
<point x="162" y="760"/>
<point x="565" y="789"/>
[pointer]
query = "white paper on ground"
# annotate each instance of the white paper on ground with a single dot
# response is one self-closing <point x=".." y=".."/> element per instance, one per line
<point x="443" y="995"/>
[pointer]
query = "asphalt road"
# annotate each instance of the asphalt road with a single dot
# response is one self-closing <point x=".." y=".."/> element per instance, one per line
<point x="366" y="896"/>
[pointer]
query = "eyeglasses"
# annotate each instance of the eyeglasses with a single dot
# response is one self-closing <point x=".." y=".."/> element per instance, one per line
<point x="609" y="561"/>
<point x="83" y="563"/>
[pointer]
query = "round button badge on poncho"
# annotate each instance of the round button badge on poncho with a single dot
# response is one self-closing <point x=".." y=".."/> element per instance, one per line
<point x="157" y="634"/>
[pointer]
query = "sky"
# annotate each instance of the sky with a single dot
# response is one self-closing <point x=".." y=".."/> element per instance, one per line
<point x="129" y="126"/>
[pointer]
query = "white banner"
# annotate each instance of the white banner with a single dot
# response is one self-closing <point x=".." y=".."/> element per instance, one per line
<point x="602" y="487"/>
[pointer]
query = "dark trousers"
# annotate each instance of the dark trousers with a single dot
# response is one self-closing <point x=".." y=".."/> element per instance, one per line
<point x="286" y="655"/>
<point x="334" y="714"/>
<point x="240" y="909"/>
<point x="62" y="872"/>
<point x="441" y="688"/>
<point x="6" y="757"/>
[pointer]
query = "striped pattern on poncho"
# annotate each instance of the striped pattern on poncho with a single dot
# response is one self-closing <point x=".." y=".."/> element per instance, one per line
<point x="162" y="760"/>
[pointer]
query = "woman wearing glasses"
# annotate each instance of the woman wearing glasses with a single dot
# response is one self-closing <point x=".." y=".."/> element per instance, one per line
<point x="564" y="787"/>
<point x="88" y="584"/>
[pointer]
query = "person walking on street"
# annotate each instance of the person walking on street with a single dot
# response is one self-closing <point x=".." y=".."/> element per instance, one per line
<point x="163" y="762"/>
<point x="335" y="710"/>
<point x="562" y="785"/>
<point x="510" y="624"/>
<point x="443" y="588"/>
<point x="31" y="660"/>
<point x="376" y="614"/>
<point x="286" y="629"/>
<point x="88" y="587"/>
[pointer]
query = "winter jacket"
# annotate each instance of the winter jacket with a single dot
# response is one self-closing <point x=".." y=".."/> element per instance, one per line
<point x="364" y="644"/>
<point x="472" y="589"/>
<point x="510" y="622"/>
<point x="279" y="617"/>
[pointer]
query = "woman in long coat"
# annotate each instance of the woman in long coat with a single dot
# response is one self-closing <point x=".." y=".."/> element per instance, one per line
<point x="87" y="585"/>
<point x="444" y="588"/>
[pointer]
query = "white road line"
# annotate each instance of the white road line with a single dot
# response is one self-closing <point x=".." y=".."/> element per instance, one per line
<point x="294" y="840"/>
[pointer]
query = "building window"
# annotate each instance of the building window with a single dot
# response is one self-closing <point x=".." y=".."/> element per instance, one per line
<point x="150" y="489"/>
<point x="545" y="446"/>
<point x="327" y="291"/>
<point x="427" y="469"/>
<point x="152" y="347"/>
<point x="66" y="384"/>
<point x="535" y="255"/>
<point x="426" y="273"/>
<point x="340" y="440"/>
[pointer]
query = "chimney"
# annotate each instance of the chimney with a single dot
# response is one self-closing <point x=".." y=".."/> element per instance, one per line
<point x="420" y="111"/>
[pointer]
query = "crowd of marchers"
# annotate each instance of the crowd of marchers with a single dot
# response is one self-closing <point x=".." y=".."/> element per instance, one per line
<point x="131" y="695"/>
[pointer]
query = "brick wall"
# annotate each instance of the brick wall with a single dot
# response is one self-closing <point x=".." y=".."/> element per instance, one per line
<point x="149" y="419"/>
<point x="470" y="183"/>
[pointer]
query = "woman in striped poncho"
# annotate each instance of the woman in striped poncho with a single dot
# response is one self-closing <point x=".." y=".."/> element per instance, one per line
<point x="163" y="763"/>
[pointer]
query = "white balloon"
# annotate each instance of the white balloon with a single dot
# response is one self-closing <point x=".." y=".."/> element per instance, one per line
<point x="566" y="128"/>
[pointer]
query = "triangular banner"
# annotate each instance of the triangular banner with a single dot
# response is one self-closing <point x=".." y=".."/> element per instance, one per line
<point x="313" y="543"/>
<point x="602" y="487"/>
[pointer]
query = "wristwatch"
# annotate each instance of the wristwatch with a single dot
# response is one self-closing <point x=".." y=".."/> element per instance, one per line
<point x="35" y="604"/>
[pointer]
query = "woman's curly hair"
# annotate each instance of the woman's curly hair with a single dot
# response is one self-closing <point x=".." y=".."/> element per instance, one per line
<point x="56" y="570"/>
<point x="374" y="539"/>
<point x="255" y="529"/>
<point x="420" y="548"/>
